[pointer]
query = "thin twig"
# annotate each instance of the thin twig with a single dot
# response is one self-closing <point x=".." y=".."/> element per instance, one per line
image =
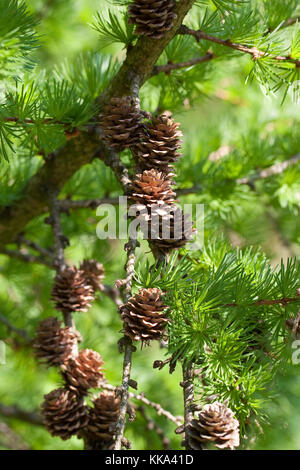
<point x="272" y="170"/>
<point x="14" y="329"/>
<point x="67" y="204"/>
<point x="27" y="257"/>
<point x="31" y="244"/>
<point x="290" y="22"/>
<point x="113" y="160"/>
<point x="58" y="237"/>
<point x="188" y="398"/>
<point x="253" y="51"/>
<point x="60" y="242"/>
<point x="283" y="301"/>
<point x="128" y="348"/>
<point x="113" y="293"/>
<point x="153" y="426"/>
<point x="14" y="411"/>
<point x="296" y="324"/>
<point x="156" y="406"/>
<point x="168" y="68"/>
<point x="10" y="439"/>
<point x="275" y="169"/>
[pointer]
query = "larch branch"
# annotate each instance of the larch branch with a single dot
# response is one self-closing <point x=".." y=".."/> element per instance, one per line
<point x="253" y="51"/>
<point x="168" y="68"/>
<point x="14" y="411"/>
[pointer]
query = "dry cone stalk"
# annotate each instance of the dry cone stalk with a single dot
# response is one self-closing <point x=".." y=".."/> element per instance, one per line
<point x="160" y="143"/>
<point x="64" y="413"/>
<point x="121" y="122"/>
<point x="93" y="272"/>
<point x="102" y="421"/>
<point x="152" y="17"/>
<point x="144" y="316"/>
<point x="55" y="345"/>
<point x="215" y="424"/>
<point x="84" y="371"/>
<point x="71" y="291"/>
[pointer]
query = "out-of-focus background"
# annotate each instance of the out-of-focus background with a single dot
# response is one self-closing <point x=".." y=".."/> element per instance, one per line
<point x="214" y="125"/>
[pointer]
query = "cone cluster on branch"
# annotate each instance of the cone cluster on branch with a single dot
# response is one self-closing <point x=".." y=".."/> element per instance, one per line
<point x="144" y="316"/>
<point x="160" y="144"/>
<point x="71" y="291"/>
<point x="84" y="371"/>
<point x="93" y="272"/>
<point x="64" y="410"/>
<point x="121" y="122"/>
<point x="152" y="17"/>
<point x="53" y="344"/>
<point x="161" y="221"/>
<point x="215" y="424"/>
<point x="102" y="419"/>
<point x="64" y="413"/>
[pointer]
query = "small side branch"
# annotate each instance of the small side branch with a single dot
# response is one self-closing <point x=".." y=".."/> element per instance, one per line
<point x="58" y="237"/>
<point x="112" y="159"/>
<point x="153" y="426"/>
<point x="272" y="170"/>
<point x="60" y="242"/>
<point x="168" y="68"/>
<point x="14" y="411"/>
<point x="22" y="333"/>
<point x="43" y="251"/>
<point x="68" y="204"/>
<point x="188" y="397"/>
<point x="253" y="51"/>
<point x="156" y="406"/>
<point x="113" y="293"/>
<point x="130" y="247"/>
<point x="27" y="257"/>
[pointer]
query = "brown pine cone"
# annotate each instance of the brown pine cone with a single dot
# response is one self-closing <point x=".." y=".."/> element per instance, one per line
<point x="71" y="291"/>
<point x="160" y="143"/>
<point x="122" y="122"/>
<point x="170" y="229"/>
<point x="64" y="413"/>
<point x="144" y="316"/>
<point x="152" y="17"/>
<point x="54" y="345"/>
<point x="84" y="371"/>
<point x="93" y="272"/>
<point x="103" y="417"/>
<point x="215" y="424"/>
<point x="152" y="188"/>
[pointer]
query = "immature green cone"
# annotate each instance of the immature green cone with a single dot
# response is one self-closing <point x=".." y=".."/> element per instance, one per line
<point x="159" y="144"/>
<point x="64" y="413"/>
<point x="103" y="417"/>
<point x="93" y="272"/>
<point x="84" y="371"/>
<point x="144" y="316"/>
<point x="215" y="424"/>
<point x="54" y="345"/>
<point x="71" y="291"/>
<point x="152" y="17"/>
<point x="121" y="122"/>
